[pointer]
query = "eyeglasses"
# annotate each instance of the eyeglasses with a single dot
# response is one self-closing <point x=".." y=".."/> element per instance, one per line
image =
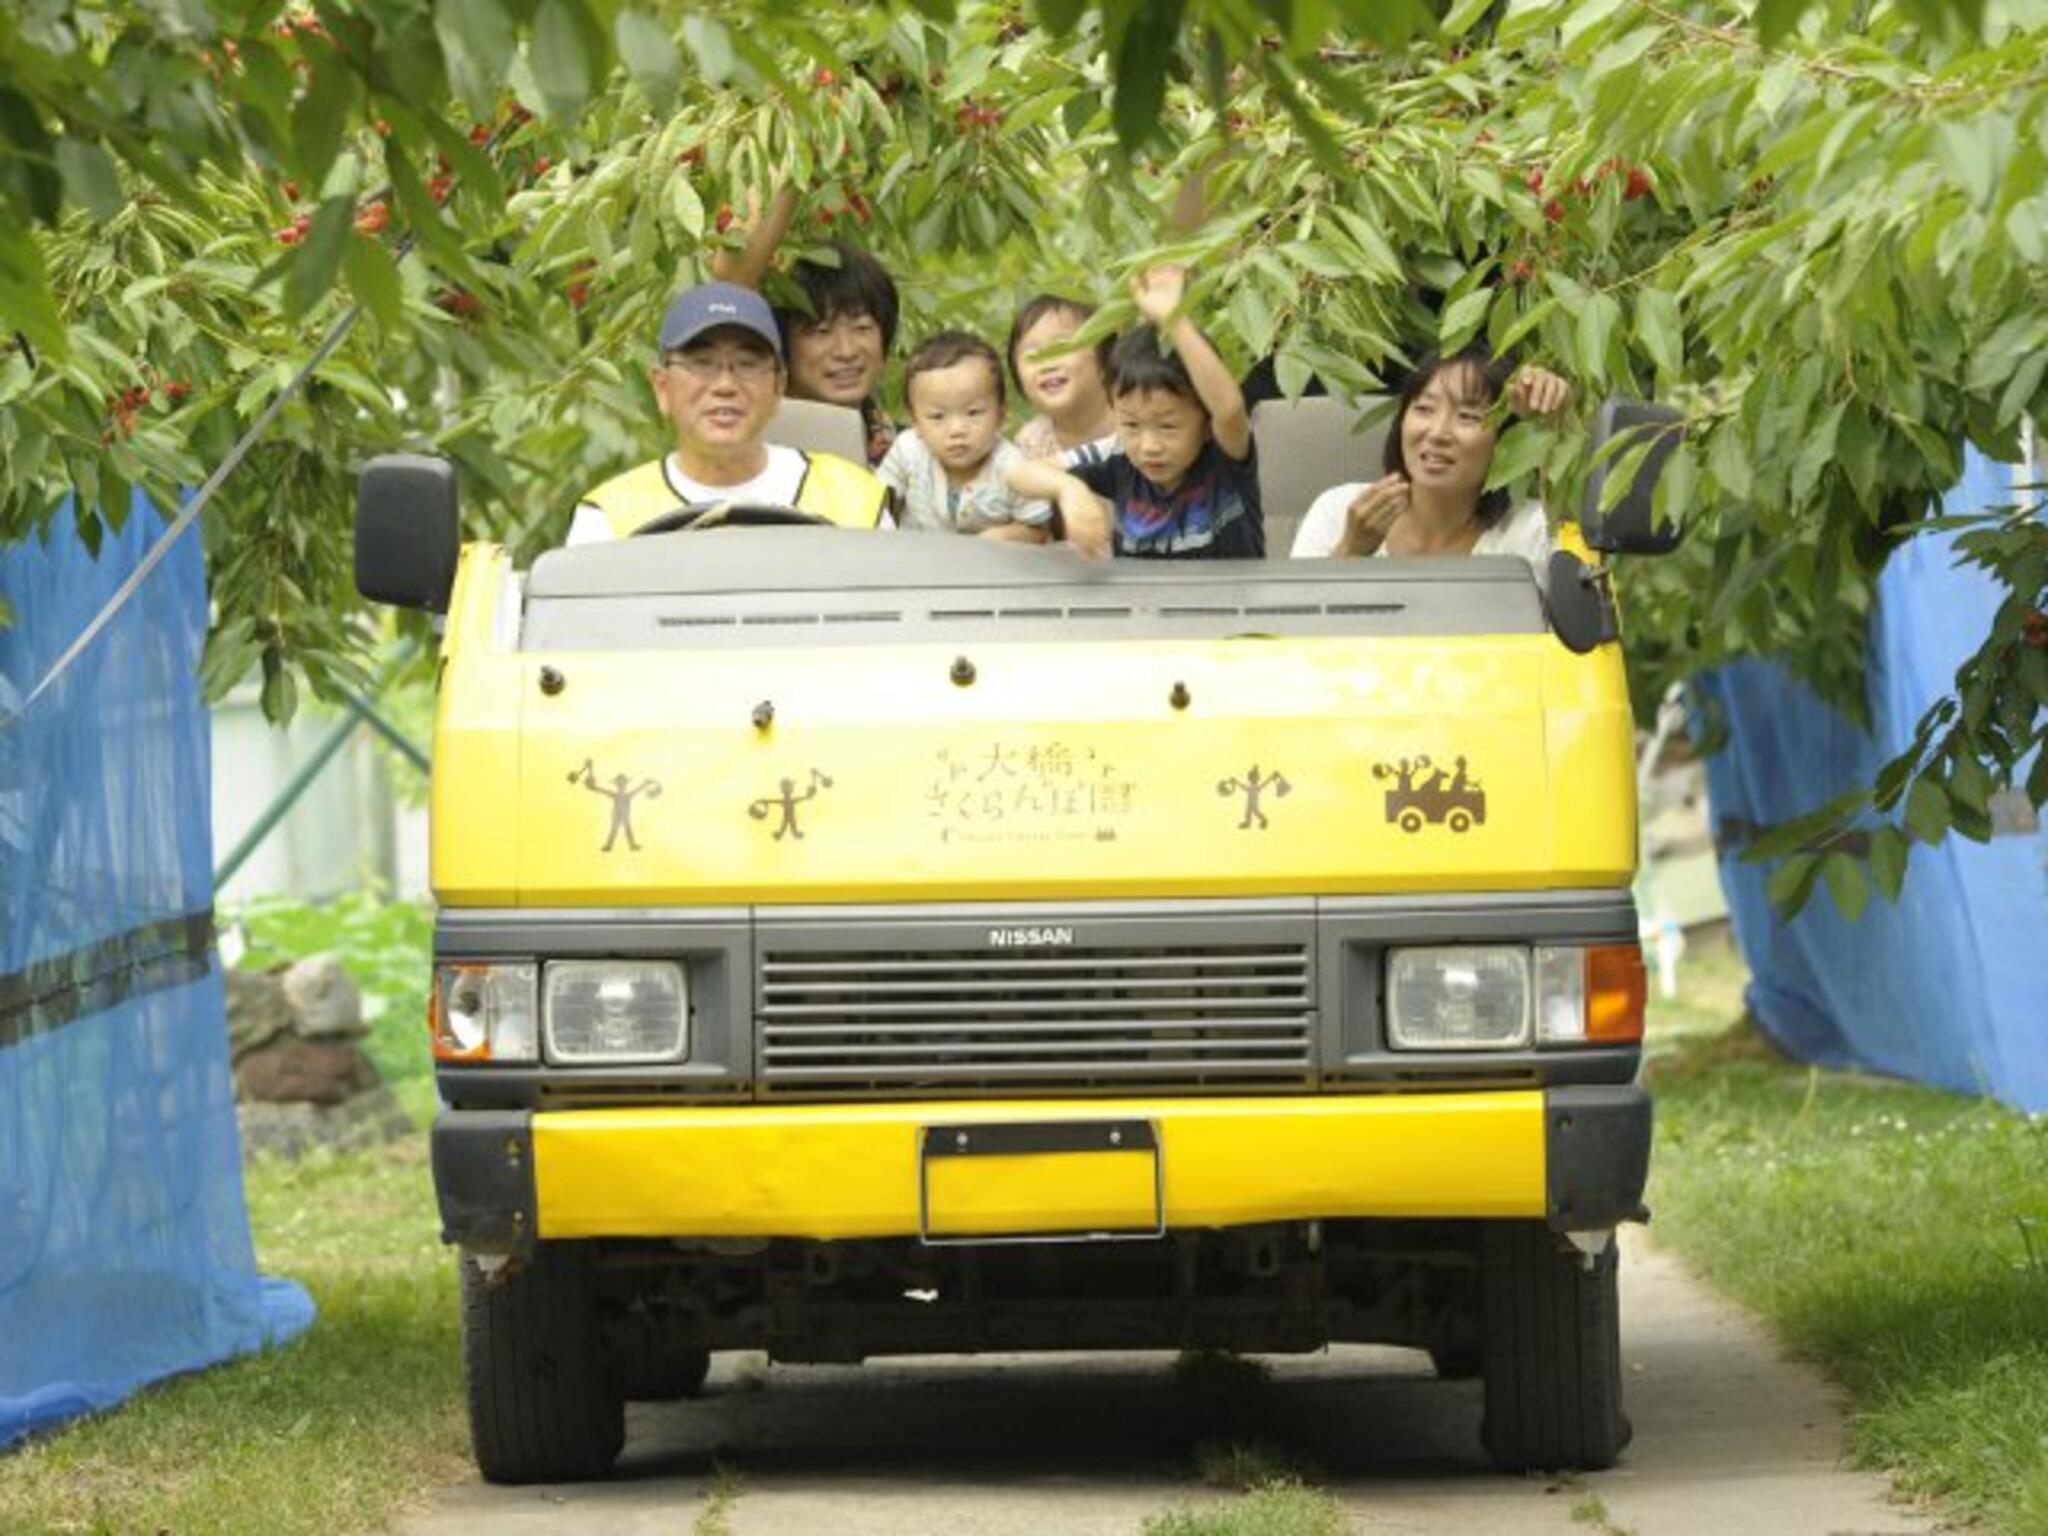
<point x="747" y="367"/>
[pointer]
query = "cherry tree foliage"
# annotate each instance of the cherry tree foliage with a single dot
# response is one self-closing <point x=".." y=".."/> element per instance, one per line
<point x="1818" y="229"/>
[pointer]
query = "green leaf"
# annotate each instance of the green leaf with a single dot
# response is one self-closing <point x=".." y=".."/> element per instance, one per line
<point x="313" y="266"/>
<point x="1462" y="318"/>
<point x="1659" y="330"/>
<point x="1776" y="18"/>
<point x="1597" y="319"/>
<point x="564" y="56"/>
<point x="650" y="54"/>
<point x="1846" y="884"/>
<point x="90" y="179"/>
<point x="25" y="296"/>
<point x="1148" y="46"/>
<point x="1582" y="17"/>
<point x="687" y="206"/>
<point x="1927" y="810"/>
<point x="1888" y="853"/>
<point x="1464" y="16"/>
<point x="1791" y="883"/>
<point x="712" y="44"/>
<point x="1970" y="153"/>
<point x="373" y="278"/>
<point x="317" y="124"/>
<point x="1521" y="448"/>
<point x="478" y="39"/>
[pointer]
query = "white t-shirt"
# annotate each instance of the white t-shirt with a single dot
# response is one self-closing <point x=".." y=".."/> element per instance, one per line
<point x="776" y="485"/>
<point x="928" y="500"/>
<point x="1523" y="531"/>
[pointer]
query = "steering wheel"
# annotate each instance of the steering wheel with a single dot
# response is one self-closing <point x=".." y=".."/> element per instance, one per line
<point x="732" y="514"/>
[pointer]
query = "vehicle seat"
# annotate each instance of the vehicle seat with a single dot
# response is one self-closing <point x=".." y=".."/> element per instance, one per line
<point x="817" y="427"/>
<point x="1305" y="447"/>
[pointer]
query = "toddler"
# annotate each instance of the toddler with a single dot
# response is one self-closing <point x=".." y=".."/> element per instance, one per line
<point x="950" y="471"/>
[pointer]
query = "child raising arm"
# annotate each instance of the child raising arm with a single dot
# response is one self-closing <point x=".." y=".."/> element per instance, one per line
<point x="1183" y="483"/>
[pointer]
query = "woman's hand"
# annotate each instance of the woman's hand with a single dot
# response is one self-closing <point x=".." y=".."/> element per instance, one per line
<point x="1372" y="514"/>
<point x="1538" y="392"/>
<point x="1157" y="291"/>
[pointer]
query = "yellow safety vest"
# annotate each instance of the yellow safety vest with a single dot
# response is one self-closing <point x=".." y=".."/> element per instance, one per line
<point x="832" y="488"/>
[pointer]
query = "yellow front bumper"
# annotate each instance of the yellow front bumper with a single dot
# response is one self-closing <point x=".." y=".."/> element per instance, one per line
<point x="855" y="1170"/>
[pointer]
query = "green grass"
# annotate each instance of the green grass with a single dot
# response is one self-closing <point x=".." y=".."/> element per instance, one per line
<point x="1896" y="1235"/>
<point x="1274" y="1509"/>
<point x="332" y="1433"/>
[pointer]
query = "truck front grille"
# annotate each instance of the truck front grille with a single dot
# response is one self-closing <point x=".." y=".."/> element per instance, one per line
<point x="954" y="1020"/>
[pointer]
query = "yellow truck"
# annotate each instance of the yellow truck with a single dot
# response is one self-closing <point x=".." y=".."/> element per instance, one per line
<point x="865" y="943"/>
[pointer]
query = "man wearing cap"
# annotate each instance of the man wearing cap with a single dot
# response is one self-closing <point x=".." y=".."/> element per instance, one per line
<point x="719" y="379"/>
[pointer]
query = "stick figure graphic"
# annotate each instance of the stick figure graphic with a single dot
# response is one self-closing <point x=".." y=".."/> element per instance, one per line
<point x="788" y="800"/>
<point x="1251" y="786"/>
<point x="622" y="791"/>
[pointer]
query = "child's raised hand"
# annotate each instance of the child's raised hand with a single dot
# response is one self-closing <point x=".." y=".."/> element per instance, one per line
<point x="1158" y="291"/>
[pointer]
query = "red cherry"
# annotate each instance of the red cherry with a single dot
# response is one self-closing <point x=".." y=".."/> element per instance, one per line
<point x="825" y="77"/>
<point x="1554" y="211"/>
<point x="519" y="114"/>
<point x="440" y="188"/>
<point x="579" y="295"/>
<point x="371" y="218"/>
<point x="177" y="389"/>
<point x="480" y="134"/>
<point x="542" y="166"/>
<point x="724" y="220"/>
<point x="291" y="234"/>
<point x="291" y="191"/>
<point x="1534" y="181"/>
<point x="1521" y="269"/>
<point x="1638" y="184"/>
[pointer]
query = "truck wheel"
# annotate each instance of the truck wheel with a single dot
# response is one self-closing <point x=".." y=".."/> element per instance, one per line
<point x="546" y="1402"/>
<point x="1552" y="1354"/>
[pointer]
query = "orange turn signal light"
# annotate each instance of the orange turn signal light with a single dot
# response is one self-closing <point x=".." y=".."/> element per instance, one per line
<point x="1617" y="992"/>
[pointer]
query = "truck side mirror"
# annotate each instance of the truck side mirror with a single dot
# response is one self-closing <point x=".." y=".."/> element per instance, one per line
<point x="406" y="534"/>
<point x="1630" y="526"/>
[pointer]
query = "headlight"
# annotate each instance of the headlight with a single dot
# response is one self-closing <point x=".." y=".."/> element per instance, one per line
<point x="483" y="1012"/>
<point x="1462" y="998"/>
<point x="617" y="1011"/>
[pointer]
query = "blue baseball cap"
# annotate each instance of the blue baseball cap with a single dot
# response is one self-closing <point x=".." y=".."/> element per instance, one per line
<point x="708" y="306"/>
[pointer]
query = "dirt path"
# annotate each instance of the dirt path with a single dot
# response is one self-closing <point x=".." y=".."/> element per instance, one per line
<point x="1730" y="1438"/>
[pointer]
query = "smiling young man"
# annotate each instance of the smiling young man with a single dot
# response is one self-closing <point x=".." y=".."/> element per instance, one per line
<point x="718" y="378"/>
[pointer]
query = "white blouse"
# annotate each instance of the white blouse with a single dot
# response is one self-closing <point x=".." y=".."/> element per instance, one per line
<point x="1524" y="531"/>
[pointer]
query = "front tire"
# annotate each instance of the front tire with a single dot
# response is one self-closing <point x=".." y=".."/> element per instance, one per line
<point x="546" y="1396"/>
<point x="1552" y="1353"/>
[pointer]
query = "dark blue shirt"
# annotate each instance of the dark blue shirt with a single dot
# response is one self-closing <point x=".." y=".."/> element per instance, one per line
<point x="1213" y="513"/>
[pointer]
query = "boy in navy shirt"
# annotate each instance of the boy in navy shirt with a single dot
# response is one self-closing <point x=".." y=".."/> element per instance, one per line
<point x="1183" y="483"/>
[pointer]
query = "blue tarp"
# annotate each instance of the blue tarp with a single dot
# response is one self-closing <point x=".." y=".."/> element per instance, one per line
<point x="124" y="1243"/>
<point x="1946" y="987"/>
